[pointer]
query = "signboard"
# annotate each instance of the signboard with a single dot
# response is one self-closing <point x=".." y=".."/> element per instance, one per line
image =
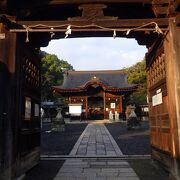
<point x="113" y="105"/>
<point x="157" y="99"/>
<point x="146" y="109"/>
<point x="75" y="108"/>
<point x="27" y="108"/>
<point x="2" y="36"/>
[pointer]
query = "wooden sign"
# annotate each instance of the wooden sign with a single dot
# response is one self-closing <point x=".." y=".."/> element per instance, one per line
<point x="157" y="99"/>
<point x="27" y="108"/>
<point x="113" y="105"/>
<point x="2" y="36"/>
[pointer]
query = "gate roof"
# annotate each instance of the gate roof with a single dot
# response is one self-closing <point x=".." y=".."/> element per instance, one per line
<point x="90" y="18"/>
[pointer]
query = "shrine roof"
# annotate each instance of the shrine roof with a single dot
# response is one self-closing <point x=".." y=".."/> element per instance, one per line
<point x="81" y="80"/>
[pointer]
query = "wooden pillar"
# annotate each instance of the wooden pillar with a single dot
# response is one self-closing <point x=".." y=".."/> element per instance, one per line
<point x="8" y="124"/>
<point x="172" y="54"/>
<point x="70" y="100"/>
<point x="86" y="106"/>
<point x="120" y="104"/>
<point x="104" y="105"/>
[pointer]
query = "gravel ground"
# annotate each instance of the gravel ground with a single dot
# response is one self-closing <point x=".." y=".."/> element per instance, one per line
<point x="131" y="142"/>
<point x="45" y="170"/>
<point x="60" y="143"/>
<point x="146" y="169"/>
<point x="134" y="142"/>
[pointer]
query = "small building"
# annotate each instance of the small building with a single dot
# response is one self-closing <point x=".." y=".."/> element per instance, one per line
<point x="101" y="93"/>
<point x="49" y="110"/>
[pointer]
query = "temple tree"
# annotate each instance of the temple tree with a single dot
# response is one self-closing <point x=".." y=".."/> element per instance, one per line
<point x="137" y="75"/>
<point x="51" y="74"/>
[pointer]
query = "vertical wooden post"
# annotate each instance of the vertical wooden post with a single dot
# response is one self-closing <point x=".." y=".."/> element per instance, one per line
<point x="172" y="53"/>
<point x="8" y="133"/>
<point x="120" y="104"/>
<point x="86" y="107"/>
<point x="104" y="105"/>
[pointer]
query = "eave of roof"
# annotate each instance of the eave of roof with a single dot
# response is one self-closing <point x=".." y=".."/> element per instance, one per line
<point x="84" y="89"/>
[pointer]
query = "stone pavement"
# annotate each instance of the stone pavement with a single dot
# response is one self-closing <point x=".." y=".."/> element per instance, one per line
<point x="95" y="158"/>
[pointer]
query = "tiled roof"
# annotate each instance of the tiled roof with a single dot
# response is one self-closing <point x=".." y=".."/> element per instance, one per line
<point x="109" y="79"/>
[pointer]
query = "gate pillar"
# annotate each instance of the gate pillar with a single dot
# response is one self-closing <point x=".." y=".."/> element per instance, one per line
<point x="172" y="54"/>
<point x="19" y="105"/>
<point x="7" y="129"/>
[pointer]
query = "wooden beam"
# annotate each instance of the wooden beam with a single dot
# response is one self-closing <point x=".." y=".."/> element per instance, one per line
<point x="160" y="7"/>
<point x="177" y="20"/>
<point x="83" y="30"/>
<point x="160" y="10"/>
<point x="3" y="5"/>
<point x="56" y="2"/>
<point x="176" y="4"/>
<point x="121" y="23"/>
<point x="160" y="2"/>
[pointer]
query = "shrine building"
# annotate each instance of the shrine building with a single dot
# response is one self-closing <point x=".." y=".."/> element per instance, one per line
<point x="99" y="92"/>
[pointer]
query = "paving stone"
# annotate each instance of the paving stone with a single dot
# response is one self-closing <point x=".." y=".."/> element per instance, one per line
<point x="118" y="163"/>
<point x="66" y="178"/>
<point x="82" y="146"/>
<point x="91" y="148"/>
<point x="83" y="143"/>
<point x="90" y="170"/>
<point x="100" y="152"/>
<point x="122" y="178"/>
<point x="109" y="170"/>
<point x="113" y="153"/>
<point x="66" y="169"/>
<point x="109" y="148"/>
<point x="75" y="163"/>
<point x="81" y="150"/>
<point x="128" y="170"/>
<point x="100" y="146"/>
<point x="97" y="178"/>
<point x="89" y="174"/>
<point x="127" y="174"/>
<point x="90" y="153"/>
<point x="98" y="163"/>
<point x="107" y="174"/>
<point x="96" y="141"/>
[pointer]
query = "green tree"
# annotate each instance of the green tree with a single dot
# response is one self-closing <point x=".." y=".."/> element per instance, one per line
<point x="51" y="74"/>
<point x="137" y="75"/>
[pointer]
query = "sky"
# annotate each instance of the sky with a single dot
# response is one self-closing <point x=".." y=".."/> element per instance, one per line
<point x="97" y="53"/>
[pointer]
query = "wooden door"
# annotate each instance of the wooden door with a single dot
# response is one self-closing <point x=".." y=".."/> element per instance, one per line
<point x="158" y="103"/>
<point x="27" y="106"/>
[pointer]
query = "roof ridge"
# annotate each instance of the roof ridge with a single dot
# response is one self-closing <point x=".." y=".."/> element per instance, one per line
<point x="97" y="71"/>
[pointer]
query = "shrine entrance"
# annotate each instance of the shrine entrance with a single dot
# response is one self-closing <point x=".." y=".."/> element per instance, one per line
<point x="26" y="26"/>
<point x="96" y="107"/>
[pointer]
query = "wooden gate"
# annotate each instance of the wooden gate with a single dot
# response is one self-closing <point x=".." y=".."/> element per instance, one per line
<point x="27" y="106"/>
<point x="19" y="106"/>
<point x="163" y="67"/>
<point x="158" y="101"/>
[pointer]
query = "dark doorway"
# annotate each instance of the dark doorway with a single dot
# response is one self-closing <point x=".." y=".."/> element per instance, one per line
<point x="96" y="107"/>
<point x="3" y="113"/>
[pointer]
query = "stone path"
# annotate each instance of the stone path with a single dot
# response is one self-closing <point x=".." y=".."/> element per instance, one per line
<point x="102" y="164"/>
<point x="96" y="141"/>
